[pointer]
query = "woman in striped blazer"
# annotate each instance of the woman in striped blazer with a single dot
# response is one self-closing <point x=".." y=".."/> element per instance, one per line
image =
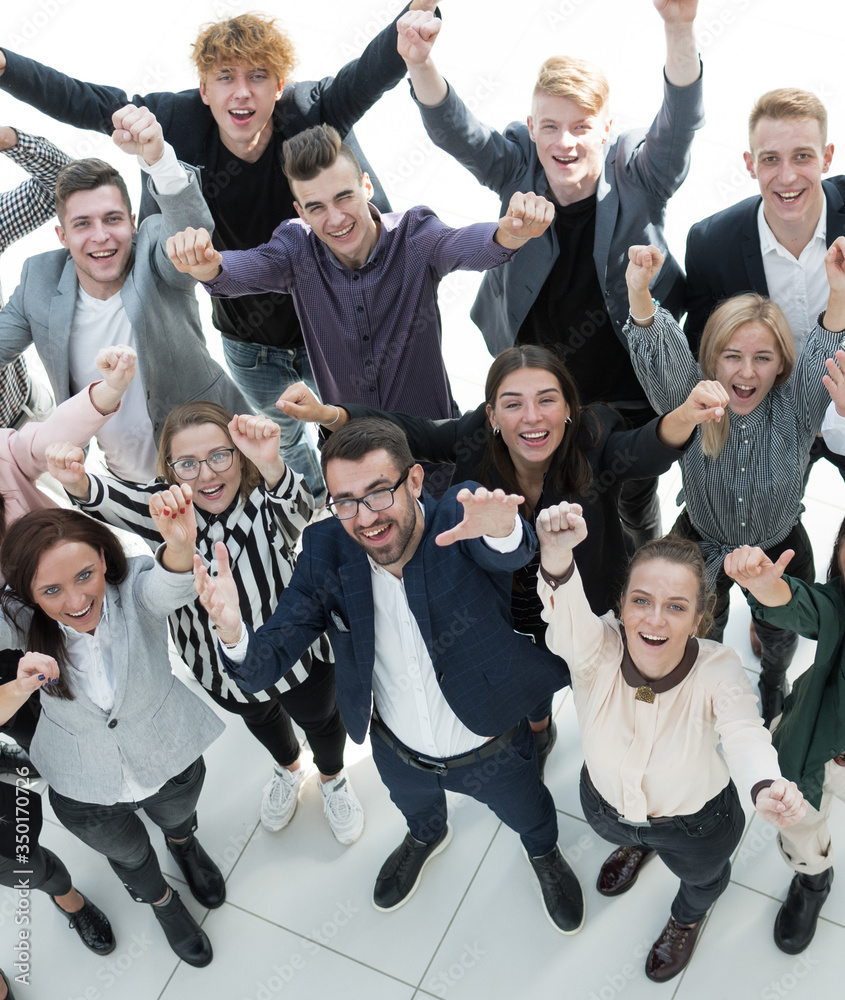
<point x="247" y="498"/>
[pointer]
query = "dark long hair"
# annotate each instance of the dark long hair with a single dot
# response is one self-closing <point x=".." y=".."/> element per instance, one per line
<point x="570" y="468"/>
<point x="27" y="540"/>
<point x="834" y="570"/>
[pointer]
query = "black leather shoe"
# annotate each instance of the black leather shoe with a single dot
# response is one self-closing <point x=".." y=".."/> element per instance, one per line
<point x="204" y="878"/>
<point x="544" y="742"/>
<point x="563" y="899"/>
<point x="13" y="757"/>
<point x="771" y="699"/>
<point x="9" y="994"/>
<point x="621" y="869"/>
<point x="184" y="935"/>
<point x="671" y="952"/>
<point x="92" y="926"/>
<point x="400" y="874"/>
<point x="795" y="924"/>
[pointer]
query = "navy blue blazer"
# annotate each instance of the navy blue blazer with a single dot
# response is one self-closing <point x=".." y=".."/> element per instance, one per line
<point x="460" y="596"/>
<point x="724" y="258"/>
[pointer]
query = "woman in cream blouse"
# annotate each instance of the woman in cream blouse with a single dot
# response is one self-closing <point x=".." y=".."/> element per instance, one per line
<point x="653" y="704"/>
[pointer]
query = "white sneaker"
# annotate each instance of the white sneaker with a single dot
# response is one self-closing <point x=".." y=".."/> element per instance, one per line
<point x="342" y="809"/>
<point x="278" y="801"/>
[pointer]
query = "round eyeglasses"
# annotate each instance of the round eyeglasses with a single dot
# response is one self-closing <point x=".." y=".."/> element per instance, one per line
<point x="377" y="500"/>
<point x="189" y="468"/>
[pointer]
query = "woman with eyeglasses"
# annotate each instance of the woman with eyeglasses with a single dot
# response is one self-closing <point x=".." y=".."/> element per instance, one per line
<point x="248" y="499"/>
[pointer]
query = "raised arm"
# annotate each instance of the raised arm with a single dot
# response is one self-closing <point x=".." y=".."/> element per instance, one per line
<point x="682" y="63"/>
<point x="32" y="203"/>
<point x="343" y="100"/>
<point x="416" y="34"/>
<point x="705" y="403"/>
<point x="76" y="420"/>
<point x="659" y="350"/>
<point x="755" y="572"/>
<point x="84" y="105"/>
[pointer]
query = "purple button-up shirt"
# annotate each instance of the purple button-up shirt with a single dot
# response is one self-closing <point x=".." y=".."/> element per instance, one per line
<point x="372" y="332"/>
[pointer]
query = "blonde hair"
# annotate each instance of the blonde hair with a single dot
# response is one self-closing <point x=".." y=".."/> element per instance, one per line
<point x="253" y="40"/>
<point x="576" y="79"/>
<point x="788" y="104"/>
<point x="723" y="323"/>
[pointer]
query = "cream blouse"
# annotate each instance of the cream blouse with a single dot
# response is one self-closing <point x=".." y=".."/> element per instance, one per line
<point x="657" y="757"/>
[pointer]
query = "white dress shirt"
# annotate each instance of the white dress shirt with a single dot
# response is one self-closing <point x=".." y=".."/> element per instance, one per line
<point x="405" y="689"/>
<point x="91" y="659"/>
<point x="799" y="286"/>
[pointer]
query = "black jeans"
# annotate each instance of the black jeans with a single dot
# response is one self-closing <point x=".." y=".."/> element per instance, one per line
<point x="312" y="707"/>
<point x="116" y="831"/>
<point x="779" y="645"/>
<point x="696" y="848"/>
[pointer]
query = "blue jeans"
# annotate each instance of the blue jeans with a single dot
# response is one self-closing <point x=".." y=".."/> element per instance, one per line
<point x="262" y="374"/>
<point x="508" y="782"/>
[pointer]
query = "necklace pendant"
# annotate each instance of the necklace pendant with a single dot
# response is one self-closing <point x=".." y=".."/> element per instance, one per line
<point x="645" y="694"/>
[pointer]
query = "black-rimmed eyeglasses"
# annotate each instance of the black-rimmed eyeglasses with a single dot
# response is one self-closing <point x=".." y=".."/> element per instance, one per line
<point x="347" y="508"/>
<point x="189" y="468"/>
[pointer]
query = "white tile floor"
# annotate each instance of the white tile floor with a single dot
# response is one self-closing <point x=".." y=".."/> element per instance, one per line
<point x="298" y="921"/>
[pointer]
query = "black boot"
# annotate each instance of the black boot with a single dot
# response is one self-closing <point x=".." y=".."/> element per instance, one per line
<point x="796" y="921"/>
<point x="779" y="647"/>
<point x="184" y="935"/>
<point x="204" y="878"/>
<point x="544" y="741"/>
<point x="773" y="690"/>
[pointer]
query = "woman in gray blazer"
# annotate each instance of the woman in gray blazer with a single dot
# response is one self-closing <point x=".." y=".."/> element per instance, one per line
<point x="117" y="731"/>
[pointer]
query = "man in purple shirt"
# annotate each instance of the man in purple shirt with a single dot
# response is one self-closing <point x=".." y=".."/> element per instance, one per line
<point x="364" y="284"/>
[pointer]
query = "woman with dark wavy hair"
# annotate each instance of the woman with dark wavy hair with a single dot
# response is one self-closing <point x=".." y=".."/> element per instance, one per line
<point x="531" y="437"/>
<point x="117" y="731"/>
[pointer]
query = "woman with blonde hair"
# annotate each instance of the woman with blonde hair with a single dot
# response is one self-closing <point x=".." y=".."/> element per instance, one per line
<point x="743" y="479"/>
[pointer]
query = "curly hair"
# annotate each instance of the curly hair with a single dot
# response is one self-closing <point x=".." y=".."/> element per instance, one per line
<point x="249" y="39"/>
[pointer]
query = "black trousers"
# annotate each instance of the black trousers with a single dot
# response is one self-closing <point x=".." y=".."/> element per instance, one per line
<point x="24" y="863"/>
<point x="312" y="707"/>
<point x="779" y="645"/>
<point x="696" y="847"/>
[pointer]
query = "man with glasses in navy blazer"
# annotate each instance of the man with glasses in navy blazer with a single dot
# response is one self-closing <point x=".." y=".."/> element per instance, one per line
<point x="415" y="596"/>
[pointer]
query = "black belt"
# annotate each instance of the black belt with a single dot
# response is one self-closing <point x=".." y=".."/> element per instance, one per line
<point x="608" y="808"/>
<point x="439" y="766"/>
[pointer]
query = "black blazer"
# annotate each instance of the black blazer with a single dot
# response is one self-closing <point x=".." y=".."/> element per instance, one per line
<point x="187" y="122"/>
<point x="724" y="259"/>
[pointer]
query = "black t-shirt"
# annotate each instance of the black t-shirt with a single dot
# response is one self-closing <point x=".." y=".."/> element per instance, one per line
<point x="570" y="318"/>
<point x="247" y="202"/>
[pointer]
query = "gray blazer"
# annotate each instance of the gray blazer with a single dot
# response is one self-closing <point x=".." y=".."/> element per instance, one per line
<point x="642" y="170"/>
<point x="157" y="727"/>
<point x="160" y="302"/>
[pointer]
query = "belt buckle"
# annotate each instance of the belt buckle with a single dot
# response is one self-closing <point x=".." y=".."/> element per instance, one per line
<point x="631" y="822"/>
<point x="427" y="764"/>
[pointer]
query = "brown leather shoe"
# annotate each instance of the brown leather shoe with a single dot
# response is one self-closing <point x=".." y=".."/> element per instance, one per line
<point x="671" y="952"/>
<point x="621" y="869"/>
